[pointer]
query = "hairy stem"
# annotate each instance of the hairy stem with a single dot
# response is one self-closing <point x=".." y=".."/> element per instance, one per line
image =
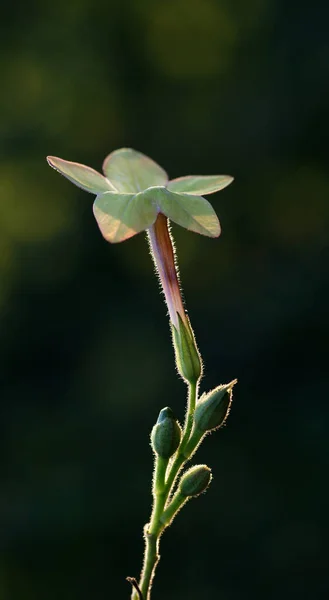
<point x="180" y="457"/>
<point x="162" y="492"/>
<point x="163" y="253"/>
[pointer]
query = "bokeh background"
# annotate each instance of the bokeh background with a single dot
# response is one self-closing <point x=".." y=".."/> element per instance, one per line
<point x="202" y="86"/>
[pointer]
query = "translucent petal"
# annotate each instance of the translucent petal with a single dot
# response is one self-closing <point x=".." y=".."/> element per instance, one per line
<point x="132" y="172"/>
<point x="199" y="184"/>
<point x="84" y="177"/>
<point x="120" y="216"/>
<point x="192" y="212"/>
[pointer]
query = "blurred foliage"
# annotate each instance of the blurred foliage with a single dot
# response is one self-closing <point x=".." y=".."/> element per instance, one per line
<point x="212" y="86"/>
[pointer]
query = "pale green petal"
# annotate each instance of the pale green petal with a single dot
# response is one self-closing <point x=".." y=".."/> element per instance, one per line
<point x="199" y="184"/>
<point x="120" y="216"/>
<point x="84" y="177"/>
<point x="192" y="212"/>
<point x="132" y="172"/>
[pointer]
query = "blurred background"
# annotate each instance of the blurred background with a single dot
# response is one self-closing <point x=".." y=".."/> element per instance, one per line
<point x="202" y="86"/>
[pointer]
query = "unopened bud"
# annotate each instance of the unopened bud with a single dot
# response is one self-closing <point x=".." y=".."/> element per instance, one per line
<point x="195" y="481"/>
<point x="188" y="359"/>
<point x="166" y="434"/>
<point x="213" y="408"/>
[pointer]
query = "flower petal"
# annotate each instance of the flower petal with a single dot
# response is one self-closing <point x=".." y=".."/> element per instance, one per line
<point x="132" y="171"/>
<point x="199" y="184"/>
<point x="120" y="216"/>
<point x="192" y="212"/>
<point x="84" y="177"/>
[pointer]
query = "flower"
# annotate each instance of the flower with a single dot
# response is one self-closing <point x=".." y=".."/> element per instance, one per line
<point x="135" y="194"/>
<point x="134" y="190"/>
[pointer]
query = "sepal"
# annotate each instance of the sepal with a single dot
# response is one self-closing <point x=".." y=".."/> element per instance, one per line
<point x="195" y="481"/>
<point x="188" y="359"/>
<point x="213" y="408"/>
<point x="166" y="434"/>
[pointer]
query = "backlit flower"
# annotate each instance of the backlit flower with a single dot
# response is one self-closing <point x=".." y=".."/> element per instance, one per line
<point x="135" y="194"/>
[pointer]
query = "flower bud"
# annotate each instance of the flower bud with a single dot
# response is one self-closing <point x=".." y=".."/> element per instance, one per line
<point x="166" y="434"/>
<point x="195" y="481"/>
<point x="213" y="408"/>
<point x="188" y="359"/>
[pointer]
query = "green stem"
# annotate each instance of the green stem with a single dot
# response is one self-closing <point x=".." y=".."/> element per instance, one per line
<point x="162" y="250"/>
<point x="151" y="530"/>
<point x="163" y="510"/>
<point x="180" y="457"/>
<point x="159" y="493"/>
<point x="172" y="509"/>
<point x="151" y="560"/>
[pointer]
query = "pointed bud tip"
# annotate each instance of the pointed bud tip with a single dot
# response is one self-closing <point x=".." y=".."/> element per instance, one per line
<point x="232" y="383"/>
<point x="165" y="413"/>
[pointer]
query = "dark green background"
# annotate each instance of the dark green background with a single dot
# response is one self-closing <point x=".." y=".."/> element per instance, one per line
<point x="202" y="86"/>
